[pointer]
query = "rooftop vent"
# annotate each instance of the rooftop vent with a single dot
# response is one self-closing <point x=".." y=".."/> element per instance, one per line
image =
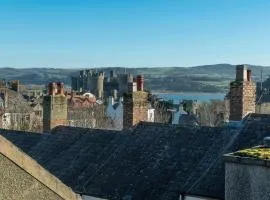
<point x="266" y="141"/>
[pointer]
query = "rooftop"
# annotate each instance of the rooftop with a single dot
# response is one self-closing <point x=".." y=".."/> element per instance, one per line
<point x="152" y="161"/>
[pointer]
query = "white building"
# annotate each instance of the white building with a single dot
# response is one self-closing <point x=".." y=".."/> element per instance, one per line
<point x="115" y="112"/>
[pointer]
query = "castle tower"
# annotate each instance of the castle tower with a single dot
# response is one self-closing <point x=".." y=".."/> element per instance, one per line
<point x="54" y="107"/>
<point x="100" y="85"/>
<point x="242" y="94"/>
<point x="15" y="85"/>
<point x="135" y="104"/>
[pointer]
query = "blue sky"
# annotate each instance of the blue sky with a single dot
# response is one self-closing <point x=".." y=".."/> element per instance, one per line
<point x="133" y="33"/>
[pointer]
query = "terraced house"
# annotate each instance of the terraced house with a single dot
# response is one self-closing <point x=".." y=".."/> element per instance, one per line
<point x="151" y="161"/>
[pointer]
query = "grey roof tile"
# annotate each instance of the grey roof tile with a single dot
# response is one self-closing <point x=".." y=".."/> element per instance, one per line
<point x="153" y="161"/>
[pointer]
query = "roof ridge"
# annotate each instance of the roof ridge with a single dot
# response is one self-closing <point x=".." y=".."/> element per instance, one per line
<point x="28" y="164"/>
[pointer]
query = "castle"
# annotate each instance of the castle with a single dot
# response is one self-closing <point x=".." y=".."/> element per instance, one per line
<point x="101" y="86"/>
<point x="90" y="81"/>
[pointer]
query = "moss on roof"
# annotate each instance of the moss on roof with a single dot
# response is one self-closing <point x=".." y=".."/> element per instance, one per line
<point x="259" y="152"/>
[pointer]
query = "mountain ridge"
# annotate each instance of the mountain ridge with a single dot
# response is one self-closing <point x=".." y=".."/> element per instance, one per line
<point x="204" y="78"/>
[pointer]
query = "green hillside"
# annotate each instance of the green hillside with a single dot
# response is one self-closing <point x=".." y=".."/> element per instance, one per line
<point x="207" y="78"/>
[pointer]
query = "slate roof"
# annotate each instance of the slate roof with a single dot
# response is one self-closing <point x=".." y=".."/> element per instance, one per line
<point x="153" y="161"/>
<point x="81" y="101"/>
<point x="188" y="120"/>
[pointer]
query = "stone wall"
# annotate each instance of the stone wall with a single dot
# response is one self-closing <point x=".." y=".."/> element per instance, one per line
<point x="249" y="98"/>
<point x="54" y="112"/>
<point x="236" y="100"/>
<point x="247" y="179"/>
<point x="17" y="184"/>
<point x="23" y="178"/>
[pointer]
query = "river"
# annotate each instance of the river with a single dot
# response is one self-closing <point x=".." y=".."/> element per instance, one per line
<point x="178" y="97"/>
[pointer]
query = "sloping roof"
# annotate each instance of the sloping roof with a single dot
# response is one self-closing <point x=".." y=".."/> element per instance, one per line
<point x="81" y="101"/>
<point x="154" y="161"/>
<point x="188" y="119"/>
<point x="31" y="167"/>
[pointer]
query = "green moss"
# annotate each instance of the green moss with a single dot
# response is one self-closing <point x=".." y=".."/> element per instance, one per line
<point x="256" y="152"/>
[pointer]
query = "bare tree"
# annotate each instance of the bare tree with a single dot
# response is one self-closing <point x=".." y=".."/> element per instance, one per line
<point x="19" y="114"/>
<point x="213" y="113"/>
<point x="162" y="109"/>
<point x="93" y="116"/>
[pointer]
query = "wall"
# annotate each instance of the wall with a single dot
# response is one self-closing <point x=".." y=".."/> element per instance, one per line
<point x="15" y="183"/>
<point x="24" y="179"/>
<point x="247" y="182"/>
<point x="249" y="98"/>
<point x="115" y="114"/>
<point x="151" y="115"/>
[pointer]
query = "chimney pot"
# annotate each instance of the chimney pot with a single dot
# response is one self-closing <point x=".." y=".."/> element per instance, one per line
<point x="52" y="88"/>
<point x="140" y="82"/>
<point x="248" y="74"/>
<point x="60" y="88"/>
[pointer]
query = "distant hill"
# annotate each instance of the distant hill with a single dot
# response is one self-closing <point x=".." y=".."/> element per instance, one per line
<point x="207" y="78"/>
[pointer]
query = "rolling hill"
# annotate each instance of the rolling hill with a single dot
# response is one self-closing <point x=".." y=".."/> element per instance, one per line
<point x="207" y="78"/>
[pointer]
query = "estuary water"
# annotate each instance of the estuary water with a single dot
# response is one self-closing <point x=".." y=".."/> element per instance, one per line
<point x="178" y="97"/>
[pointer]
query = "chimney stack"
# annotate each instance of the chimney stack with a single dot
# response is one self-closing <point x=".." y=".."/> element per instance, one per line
<point x="132" y="87"/>
<point x="241" y="72"/>
<point x="242" y="94"/>
<point x="52" y="88"/>
<point x="60" y="88"/>
<point x="54" y="107"/>
<point x="140" y="83"/>
<point x="248" y="75"/>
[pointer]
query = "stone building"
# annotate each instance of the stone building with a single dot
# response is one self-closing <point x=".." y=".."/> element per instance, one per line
<point x="17" y="113"/>
<point x="114" y="110"/>
<point x="81" y="110"/>
<point x="117" y="83"/>
<point x="102" y="87"/>
<point x="89" y="81"/>
<point x="242" y="94"/>
<point x="54" y="107"/>
<point x="135" y="105"/>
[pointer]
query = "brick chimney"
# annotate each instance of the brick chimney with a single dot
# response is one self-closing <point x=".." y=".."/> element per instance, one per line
<point x="248" y="75"/>
<point x="135" y="104"/>
<point x="242" y="94"/>
<point x="241" y="72"/>
<point x="54" y="107"/>
<point x="52" y="88"/>
<point x="132" y="87"/>
<point x="140" y="82"/>
<point x="60" y="88"/>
